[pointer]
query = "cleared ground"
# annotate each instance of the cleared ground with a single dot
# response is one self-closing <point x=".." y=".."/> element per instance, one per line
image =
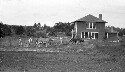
<point x="86" y="57"/>
<point x="87" y="60"/>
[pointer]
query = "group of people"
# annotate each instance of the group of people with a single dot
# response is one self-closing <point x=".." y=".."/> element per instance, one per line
<point x="27" y="42"/>
<point x="39" y="42"/>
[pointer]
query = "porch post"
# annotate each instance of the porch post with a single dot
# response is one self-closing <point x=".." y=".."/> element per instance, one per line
<point x="72" y="33"/>
<point x="81" y="34"/>
<point x="94" y="35"/>
<point x="88" y="34"/>
<point x="107" y="35"/>
<point x="117" y="34"/>
<point x="84" y="34"/>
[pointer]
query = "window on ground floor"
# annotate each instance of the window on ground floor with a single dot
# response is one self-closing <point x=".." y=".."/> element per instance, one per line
<point x="86" y="34"/>
<point x="91" y="35"/>
<point x="82" y="34"/>
<point x="96" y="35"/>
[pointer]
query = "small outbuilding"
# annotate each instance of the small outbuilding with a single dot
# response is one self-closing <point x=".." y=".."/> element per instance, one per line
<point x="110" y="32"/>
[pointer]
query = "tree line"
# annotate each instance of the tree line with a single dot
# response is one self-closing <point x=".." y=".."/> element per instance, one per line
<point x="42" y="31"/>
<point x="36" y="30"/>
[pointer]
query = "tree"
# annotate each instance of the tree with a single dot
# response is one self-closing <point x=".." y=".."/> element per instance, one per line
<point x="63" y="27"/>
<point x="40" y="34"/>
<point x="30" y="31"/>
<point x="47" y="28"/>
<point x="1" y="33"/>
<point x="37" y="26"/>
<point x="123" y="31"/>
<point x="5" y="29"/>
<point x="20" y="30"/>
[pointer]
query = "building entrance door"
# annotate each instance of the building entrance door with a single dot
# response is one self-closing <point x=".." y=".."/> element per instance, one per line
<point x="94" y="35"/>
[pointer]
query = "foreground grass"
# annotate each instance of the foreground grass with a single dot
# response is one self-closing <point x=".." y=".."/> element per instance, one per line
<point x="88" y="60"/>
<point x="103" y="57"/>
<point x="116" y="53"/>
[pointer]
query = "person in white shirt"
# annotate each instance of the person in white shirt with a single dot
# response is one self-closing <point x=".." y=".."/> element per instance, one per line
<point x="20" y="41"/>
<point x="61" y="40"/>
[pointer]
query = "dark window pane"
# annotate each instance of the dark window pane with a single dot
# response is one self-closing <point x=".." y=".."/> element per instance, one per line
<point x="92" y="35"/>
<point x="96" y="35"/>
<point x="94" y="25"/>
<point x="82" y="34"/>
<point x="90" y="25"/>
<point x="86" y="34"/>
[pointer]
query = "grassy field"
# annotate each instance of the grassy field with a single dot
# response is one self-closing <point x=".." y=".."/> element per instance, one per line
<point x="100" y="59"/>
<point x="93" y="56"/>
<point x="56" y="62"/>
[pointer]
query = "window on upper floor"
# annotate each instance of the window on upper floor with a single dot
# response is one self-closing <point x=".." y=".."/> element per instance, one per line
<point x="91" y="25"/>
<point x="94" y="26"/>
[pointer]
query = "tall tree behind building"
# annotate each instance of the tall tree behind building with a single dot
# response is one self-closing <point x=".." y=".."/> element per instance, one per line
<point x="20" y="30"/>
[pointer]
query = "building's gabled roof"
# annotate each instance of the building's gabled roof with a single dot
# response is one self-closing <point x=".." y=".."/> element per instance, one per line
<point x="91" y="18"/>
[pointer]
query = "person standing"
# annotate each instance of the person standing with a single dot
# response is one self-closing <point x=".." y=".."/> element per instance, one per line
<point x="20" y="41"/>
<point x="61" y="40"/>
<point x="30" y="40"/>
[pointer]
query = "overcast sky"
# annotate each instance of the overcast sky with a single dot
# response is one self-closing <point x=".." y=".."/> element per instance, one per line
<point x="28" y="12"/>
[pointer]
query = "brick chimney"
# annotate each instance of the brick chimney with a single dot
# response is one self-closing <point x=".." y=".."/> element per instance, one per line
<point x="100" y="16"/>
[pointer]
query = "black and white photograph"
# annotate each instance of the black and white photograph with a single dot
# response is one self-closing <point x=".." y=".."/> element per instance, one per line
<point x="62" y="35"/>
